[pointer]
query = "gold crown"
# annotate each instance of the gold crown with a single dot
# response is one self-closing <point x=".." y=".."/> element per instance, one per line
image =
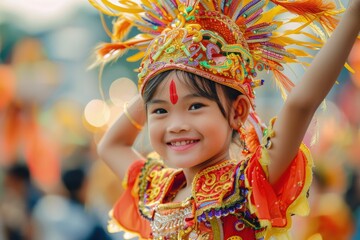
<point x="226" y="41"/>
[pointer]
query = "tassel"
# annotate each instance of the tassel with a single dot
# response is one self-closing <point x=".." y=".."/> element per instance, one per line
<point x="252" y="140"/>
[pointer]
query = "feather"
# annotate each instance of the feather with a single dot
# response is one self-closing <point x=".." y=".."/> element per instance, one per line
<point x="103" y="22"/>
<point x="107" y="52"/>
<point x="170" y="8"/>
<point x="111" y="9"/>
<point x="305" y="7"/>
<point x="315" y="130"/>
<point x="103" y="8"/>
<point x="312" y="10"/>
<point x="136" y="57"/>
<point x="299" y="52"/>
<point x="121" y="29"/>
<point x="110" y="51"/>
<point x="283" y="82"/>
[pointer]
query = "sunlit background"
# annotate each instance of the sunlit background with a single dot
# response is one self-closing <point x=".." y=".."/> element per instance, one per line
<point x="53" y="111"/>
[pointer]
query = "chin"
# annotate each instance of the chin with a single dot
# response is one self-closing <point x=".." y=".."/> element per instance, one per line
<point x="178" y="163"/>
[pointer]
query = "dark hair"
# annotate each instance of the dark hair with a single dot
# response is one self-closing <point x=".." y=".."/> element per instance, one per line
<point x="73" y="180"/>
<point x="203" y="86"/>
<point x="19" y="171"/>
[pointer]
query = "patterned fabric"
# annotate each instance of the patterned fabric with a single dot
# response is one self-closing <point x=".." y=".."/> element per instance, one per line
<point x="229" y="200"/>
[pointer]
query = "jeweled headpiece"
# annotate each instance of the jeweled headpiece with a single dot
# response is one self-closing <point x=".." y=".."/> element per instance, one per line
<point x="226" y="41"/>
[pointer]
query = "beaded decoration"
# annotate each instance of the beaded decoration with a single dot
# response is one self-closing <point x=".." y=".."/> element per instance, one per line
<point x="226" y="41"/>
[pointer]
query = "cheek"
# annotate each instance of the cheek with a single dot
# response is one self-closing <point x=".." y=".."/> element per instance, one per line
<point x="220" y="131"/>
<point x="155" y="133"/>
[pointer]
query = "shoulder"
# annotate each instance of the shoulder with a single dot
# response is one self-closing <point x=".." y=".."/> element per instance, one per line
<point x="155" y="179"/>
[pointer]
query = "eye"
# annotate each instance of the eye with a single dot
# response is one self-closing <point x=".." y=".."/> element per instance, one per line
<point x="196" y="106"/>
<point x="159" y="111"/>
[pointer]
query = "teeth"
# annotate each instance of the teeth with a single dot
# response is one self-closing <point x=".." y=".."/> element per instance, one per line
<point x="182" y="143"/>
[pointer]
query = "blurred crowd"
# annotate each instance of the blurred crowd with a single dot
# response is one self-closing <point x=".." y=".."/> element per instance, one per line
<point x="54" y="187"/>
<point x="52" y="184"/>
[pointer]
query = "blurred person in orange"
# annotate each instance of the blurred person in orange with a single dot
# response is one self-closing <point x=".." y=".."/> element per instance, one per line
<point x="25" y="83"/>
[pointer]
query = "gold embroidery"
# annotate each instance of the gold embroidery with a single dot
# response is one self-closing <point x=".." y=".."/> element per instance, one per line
<point x="170" y="220"/>
<point x="211" y="185"/>
<point x="154" y="183"/>
<point x="157" y="182"/>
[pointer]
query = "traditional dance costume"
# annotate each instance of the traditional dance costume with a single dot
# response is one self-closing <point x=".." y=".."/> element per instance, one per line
<point x="228" y="42"/>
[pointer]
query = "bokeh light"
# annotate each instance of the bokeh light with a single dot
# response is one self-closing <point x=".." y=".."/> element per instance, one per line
<point x="122" y="90"/>
<point x="97" y="113"/>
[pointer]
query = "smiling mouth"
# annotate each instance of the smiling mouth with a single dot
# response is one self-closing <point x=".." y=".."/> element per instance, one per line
<point x="182" y="143"/>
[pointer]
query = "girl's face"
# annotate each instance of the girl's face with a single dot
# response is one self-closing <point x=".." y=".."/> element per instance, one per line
<point x="186" y="129"/>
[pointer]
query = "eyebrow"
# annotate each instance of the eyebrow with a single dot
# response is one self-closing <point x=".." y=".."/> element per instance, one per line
<point x="159" y="101"/>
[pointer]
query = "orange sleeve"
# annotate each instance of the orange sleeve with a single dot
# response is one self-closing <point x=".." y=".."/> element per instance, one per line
<point x="274" y="204"/>
<point x="125" y="215"/>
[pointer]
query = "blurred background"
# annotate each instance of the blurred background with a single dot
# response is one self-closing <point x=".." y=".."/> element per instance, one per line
<point x="52" y="114"/>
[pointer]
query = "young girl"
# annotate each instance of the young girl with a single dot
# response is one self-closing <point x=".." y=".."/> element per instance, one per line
<point x="196" y="83"/>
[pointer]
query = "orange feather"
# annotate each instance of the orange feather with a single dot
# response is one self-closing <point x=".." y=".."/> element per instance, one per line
<point x="284" y="83"/>
<point x="304" y="7"/>
<point x="110" y="51"/>
<point x="312" y="10"/>
<point x="121" y="29"/>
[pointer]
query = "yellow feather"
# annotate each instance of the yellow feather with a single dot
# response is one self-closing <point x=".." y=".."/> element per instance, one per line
<point x="270" y="14"/>
<point x="102" y="9"/>
<point x="298" y="52"/>
<point x="128" y="6"/>
<point x="136" y="57"/>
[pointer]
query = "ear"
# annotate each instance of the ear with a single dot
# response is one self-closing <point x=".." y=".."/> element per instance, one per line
<point x="239" y="111"/>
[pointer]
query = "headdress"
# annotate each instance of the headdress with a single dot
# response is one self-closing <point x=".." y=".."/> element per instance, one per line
<point x="227" y="41"/>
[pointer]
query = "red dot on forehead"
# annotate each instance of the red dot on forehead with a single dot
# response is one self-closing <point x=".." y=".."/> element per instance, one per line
<point x="173" y="93"/>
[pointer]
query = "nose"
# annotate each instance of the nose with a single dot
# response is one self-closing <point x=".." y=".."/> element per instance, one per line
<point x="178" y="124"/>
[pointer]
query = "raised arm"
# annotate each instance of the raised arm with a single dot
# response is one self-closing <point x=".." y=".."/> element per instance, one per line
<point x="116" y="146"/>
<point x="304" y="99"/>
